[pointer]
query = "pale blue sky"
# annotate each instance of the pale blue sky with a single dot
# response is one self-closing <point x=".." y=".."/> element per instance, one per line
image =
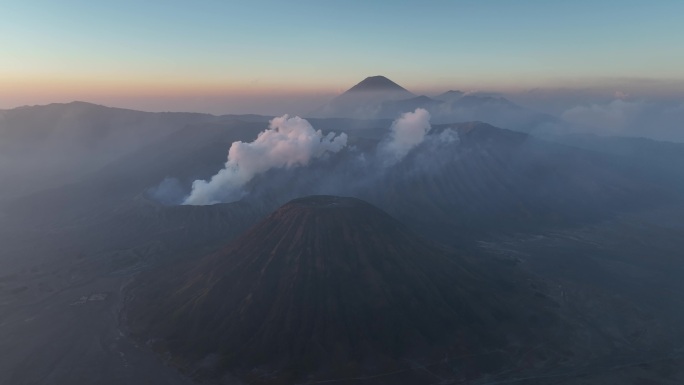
<point x="231" y="47"/>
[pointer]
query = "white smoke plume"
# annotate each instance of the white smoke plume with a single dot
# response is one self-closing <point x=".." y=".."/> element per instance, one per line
<point x="289" y="142"/>
<point x="448" y="136"/>
<point x="406" y="132"/>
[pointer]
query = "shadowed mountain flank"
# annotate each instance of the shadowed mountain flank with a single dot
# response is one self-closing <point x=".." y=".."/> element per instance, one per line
<point x="331" y="287"/>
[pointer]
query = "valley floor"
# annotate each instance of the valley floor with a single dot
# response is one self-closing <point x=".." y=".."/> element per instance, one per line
<point x="72" y="337"/>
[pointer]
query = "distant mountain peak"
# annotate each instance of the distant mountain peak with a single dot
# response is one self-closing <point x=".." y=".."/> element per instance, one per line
<point x="423" y="98"/>
<point x="364" y="99"/>
<point x="377" y="83"/>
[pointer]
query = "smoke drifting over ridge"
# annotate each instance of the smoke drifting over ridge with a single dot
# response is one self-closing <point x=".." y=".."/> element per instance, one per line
<point x="289" y="142"/>
<point x="406" y="132"/>
<point x="293" y="142"/>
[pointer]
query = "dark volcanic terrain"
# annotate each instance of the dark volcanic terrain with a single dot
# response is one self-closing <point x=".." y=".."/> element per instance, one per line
<point x="562" y="262"/>
<point x="333" y="288"/>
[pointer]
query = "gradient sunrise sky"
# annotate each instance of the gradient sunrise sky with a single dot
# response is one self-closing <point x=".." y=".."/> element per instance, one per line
<point x="233" y="56"/>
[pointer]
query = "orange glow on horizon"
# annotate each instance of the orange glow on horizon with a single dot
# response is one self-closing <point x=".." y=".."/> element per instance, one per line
<point x="20" y="88"/>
